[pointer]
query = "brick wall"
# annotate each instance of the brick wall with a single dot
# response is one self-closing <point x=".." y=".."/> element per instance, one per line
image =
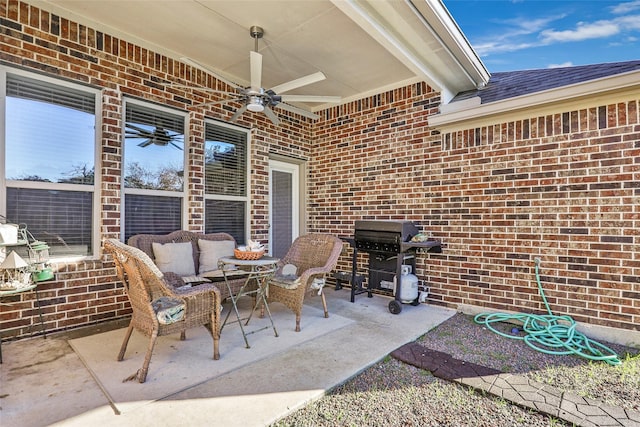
<point x="564" y="187"/>
<point x="87" y="291"/>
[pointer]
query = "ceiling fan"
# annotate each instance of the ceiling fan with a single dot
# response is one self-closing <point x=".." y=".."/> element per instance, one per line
<point x="158" y="136"/>
<point x="258" y="99"/>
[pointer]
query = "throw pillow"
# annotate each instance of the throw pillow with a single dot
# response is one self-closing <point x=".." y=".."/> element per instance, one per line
<point x="211" y="251"/>
<point x="174" y="257"/>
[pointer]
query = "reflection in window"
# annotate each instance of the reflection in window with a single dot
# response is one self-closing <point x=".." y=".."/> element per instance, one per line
<point x="154" y="149"/>
<point x="153" y="169"/>
<point x="50" y="150"/>
<point x="225" y="161"/>
<point x="226" y="192"/>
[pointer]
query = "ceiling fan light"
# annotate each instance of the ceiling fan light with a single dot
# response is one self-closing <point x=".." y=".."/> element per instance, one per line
<point x="255" y="104"/>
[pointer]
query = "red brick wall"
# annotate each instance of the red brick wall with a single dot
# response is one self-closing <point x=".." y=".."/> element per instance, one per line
<point x="563" y="187"/>
<point x="86" y="292"/>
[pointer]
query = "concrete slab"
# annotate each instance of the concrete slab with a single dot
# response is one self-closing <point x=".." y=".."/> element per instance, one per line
<point x="45" y="383"/>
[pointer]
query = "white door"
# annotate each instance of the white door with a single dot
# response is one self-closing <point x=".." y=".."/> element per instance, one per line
<point x="284" y="206"/>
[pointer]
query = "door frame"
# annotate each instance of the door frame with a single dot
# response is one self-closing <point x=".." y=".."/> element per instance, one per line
<point x="299" y="215"/>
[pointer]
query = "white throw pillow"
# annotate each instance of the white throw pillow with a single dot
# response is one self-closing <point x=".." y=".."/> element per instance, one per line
<point x="174" y="257"/>
<point x="211" y="251"/>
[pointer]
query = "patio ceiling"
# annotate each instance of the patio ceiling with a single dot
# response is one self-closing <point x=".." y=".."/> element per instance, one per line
<point x="363" y="47"/>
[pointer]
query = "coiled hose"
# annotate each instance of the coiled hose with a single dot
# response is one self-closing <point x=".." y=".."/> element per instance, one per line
<point x="550" y="334"/>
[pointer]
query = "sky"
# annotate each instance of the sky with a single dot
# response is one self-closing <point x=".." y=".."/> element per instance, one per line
<point x="510" y="35"/>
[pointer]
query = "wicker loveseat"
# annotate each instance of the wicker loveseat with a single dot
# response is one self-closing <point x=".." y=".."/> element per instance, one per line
<point x="145" y="242"/>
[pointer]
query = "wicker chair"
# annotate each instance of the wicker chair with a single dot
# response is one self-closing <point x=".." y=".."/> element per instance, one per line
<point x="314" y="256"/>
<point x="144" y="284"/>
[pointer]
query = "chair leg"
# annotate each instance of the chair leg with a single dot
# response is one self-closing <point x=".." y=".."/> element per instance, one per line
<point x="183" y="335"/>
<point x="324" y="305"/>
<point x="123" y="347"/>
<point x="142" y="373"/>
<point x="216" y="340"/>
<point x="297" y="322"/>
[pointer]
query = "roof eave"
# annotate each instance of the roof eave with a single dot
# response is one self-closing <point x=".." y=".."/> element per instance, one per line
<point x="451" y="116"/>
<point x="377" y="19"/>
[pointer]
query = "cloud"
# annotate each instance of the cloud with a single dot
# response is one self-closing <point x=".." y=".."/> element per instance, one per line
<point x="629" y="22"/>
<point x="593" y="30"/>
<point x="625" y="7"/>
<point x="564" y="64"/>
<point x="583" y="31"/>
<point x="517" y="29"/>
<point x="515" y="37"/>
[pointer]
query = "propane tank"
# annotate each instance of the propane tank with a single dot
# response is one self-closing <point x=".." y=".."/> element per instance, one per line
<point x="408" y="285"/>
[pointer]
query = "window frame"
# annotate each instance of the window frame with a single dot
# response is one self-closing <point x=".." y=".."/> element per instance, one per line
<point x="97" y="159"/>
<point x="222" y="197"/>
<point x="184" y="220"/>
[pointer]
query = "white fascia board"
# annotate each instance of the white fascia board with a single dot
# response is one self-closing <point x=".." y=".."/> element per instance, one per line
<point x="443" y="25"/>
<point x="550" y="96"/>
<point x="362" y="14"/>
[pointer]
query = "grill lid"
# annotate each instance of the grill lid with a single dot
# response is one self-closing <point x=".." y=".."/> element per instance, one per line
<point x="390" y="236"/>
<point x="402" y="230"/>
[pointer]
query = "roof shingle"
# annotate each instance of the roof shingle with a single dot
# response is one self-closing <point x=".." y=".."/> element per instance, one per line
<point x="511" y="84"/>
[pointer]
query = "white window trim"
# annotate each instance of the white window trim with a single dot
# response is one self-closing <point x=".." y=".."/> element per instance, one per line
<point x="247" y="197"/>
<point x="184" y="220"/>
<point x="4" y="183"/>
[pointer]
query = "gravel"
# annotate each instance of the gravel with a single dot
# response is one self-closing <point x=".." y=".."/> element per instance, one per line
<point x="391" y="393"/>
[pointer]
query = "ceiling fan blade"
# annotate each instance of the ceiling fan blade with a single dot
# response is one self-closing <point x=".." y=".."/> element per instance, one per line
<point x="297" y="110"/>
<point x="302" y="81"/>
<point x="194" y="64"/>
<point x="238" y="113"/>
<point x="256" y="70"/>
<point x="310" y="98"/>
<point x="272" y="116"/>
<point x="146" y="143"/>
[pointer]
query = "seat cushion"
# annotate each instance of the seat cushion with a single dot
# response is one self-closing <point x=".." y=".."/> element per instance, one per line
<point x="174" y="257"/>
<point x="168" y="310"/>
<point x="211" y="251"/>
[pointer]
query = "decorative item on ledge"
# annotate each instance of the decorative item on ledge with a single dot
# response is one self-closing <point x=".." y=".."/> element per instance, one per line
<point x="39" y="257"/>
<point x="15" y="273"/>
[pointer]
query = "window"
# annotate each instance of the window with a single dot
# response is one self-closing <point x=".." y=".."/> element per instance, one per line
<point x="226" y="177"/>
<point x="153" y="172"/>
<point x="49" y="148"/>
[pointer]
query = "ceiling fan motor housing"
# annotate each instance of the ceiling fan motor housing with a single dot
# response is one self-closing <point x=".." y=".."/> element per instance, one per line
<point x="256" y="32"/>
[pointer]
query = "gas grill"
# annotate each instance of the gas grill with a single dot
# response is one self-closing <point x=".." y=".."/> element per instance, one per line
<point x="389" y="246"/>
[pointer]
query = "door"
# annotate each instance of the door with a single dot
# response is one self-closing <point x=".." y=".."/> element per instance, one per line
<point x="284" y="206"/>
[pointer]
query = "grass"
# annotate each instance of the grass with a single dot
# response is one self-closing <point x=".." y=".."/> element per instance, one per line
<point x="391" y="393"/>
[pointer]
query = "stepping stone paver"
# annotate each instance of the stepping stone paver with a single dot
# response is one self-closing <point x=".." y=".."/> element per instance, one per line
<point x="518" y="389"/>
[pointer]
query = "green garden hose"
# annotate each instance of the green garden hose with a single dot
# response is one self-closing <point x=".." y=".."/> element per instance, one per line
<point x="549" y="333"/>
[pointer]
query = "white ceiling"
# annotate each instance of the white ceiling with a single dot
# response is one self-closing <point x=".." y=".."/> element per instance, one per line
<point x="363" y="47"/>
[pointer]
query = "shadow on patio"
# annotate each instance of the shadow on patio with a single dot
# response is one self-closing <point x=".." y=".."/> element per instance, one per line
<point x="44" y="381"/>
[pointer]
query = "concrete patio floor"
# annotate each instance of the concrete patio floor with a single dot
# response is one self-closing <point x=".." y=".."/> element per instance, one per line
<point x="45" y="383"/>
